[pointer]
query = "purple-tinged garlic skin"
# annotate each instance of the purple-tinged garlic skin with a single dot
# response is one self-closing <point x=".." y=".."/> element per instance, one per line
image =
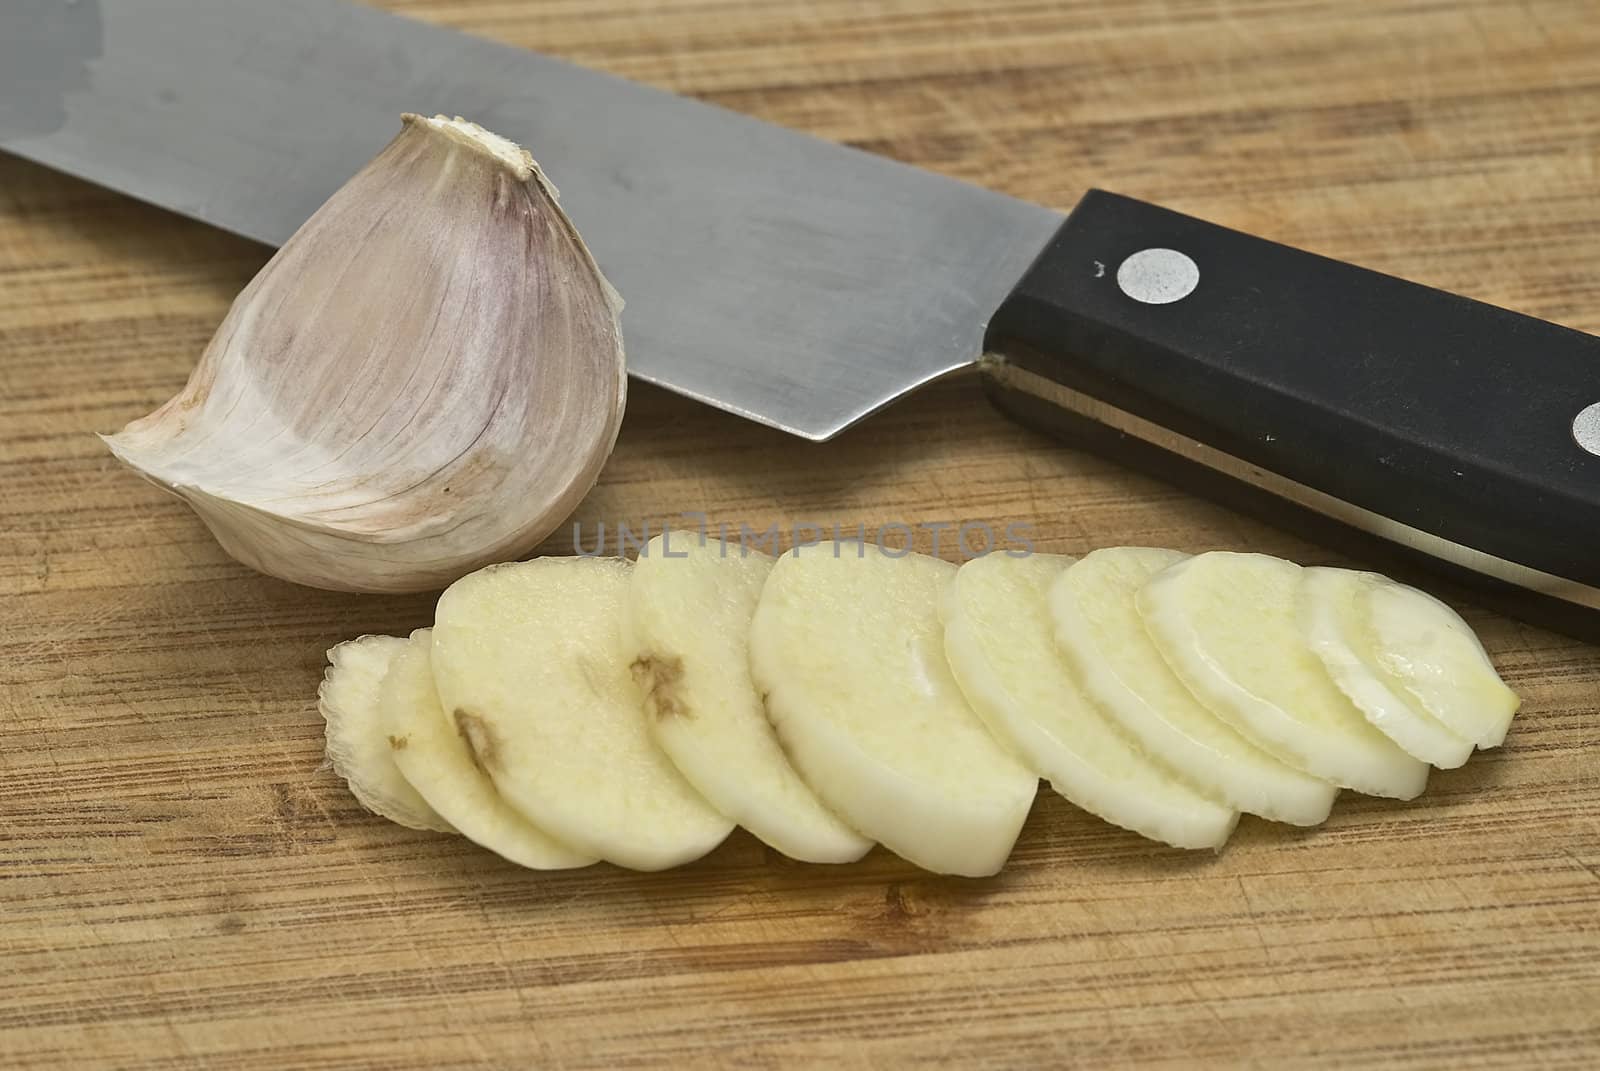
<point x="426" y="378"/>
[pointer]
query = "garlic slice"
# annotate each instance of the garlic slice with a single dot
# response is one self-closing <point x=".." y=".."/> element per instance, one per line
<point x="350" y="699"/>
<point x="426" y="378"/>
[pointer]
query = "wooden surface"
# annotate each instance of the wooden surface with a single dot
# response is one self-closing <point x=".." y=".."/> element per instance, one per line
<point x="182" y="884"/>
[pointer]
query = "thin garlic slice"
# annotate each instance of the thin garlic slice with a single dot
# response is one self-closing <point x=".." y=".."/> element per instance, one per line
<point x="350" y="700"/>
<point x="426" y="378"/>
<point x="438" y="761"/>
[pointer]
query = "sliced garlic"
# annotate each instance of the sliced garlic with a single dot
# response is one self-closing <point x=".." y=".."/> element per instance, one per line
<point x="426" y="378"/>
<point x="1225" y="623"/>
<point x="530" y="668"/>
<point x="1425" y="648"/>
<point x="1330" y="607"/>
<point x="998" y="638"/>
<point x="685" y="631"/>
<point x="847" y="649"/>
<point x="1099" y="631"/>
<point x="438" y="761"/>
<point x="358" y="751"/>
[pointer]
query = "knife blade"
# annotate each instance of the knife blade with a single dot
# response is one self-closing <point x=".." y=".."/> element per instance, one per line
<point x="805" y="285"/>
<point x="792" y="281"/>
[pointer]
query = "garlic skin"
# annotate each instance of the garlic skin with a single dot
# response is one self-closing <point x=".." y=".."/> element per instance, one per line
<point x="426" y="378"/>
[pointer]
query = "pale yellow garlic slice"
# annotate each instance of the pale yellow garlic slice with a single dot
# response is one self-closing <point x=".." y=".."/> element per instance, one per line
<point x="435" y="758"/>
<point x="349" y="700"/>
<point x="530" y="668"/>
<point x="1099" y="630"/>
<point x="1225" y="623"/>
<point x="1331" y="607"/>
<point x="1436" y="658"/>
<point x="998" y="638"/>
<point x="686" y="630"/>
<point x="847" y="648"/>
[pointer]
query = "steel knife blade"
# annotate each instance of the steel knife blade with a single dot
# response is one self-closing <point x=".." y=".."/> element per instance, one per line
<point x="793" y="281"/>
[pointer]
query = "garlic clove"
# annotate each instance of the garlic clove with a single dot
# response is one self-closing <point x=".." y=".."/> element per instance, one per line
<point x="426" y="378"/>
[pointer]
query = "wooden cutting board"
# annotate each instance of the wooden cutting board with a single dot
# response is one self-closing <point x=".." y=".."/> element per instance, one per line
<point x="182" y="884"/>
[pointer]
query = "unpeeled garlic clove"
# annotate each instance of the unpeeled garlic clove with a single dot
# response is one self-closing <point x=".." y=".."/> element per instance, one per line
<point x="426" y="378"/>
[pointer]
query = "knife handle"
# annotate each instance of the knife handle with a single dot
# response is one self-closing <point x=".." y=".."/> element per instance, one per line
<point x="1337" y="401"/>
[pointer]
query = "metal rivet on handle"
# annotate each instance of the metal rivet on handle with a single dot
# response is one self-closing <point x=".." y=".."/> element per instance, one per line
<point x="1158" y="276"/>
<point x="1586" y="429"/>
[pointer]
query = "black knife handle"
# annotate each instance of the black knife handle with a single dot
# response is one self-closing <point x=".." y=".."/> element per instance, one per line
<point x="1306" y="388"/>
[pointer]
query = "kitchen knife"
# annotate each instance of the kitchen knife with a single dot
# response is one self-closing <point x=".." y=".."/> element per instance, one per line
<point x="806" y="285"/>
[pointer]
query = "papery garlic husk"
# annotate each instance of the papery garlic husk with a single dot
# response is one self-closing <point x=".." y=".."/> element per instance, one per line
<point x="426" y="378"/>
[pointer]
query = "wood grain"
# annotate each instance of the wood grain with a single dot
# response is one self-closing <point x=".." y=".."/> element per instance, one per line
<point x="183" y="885"/>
